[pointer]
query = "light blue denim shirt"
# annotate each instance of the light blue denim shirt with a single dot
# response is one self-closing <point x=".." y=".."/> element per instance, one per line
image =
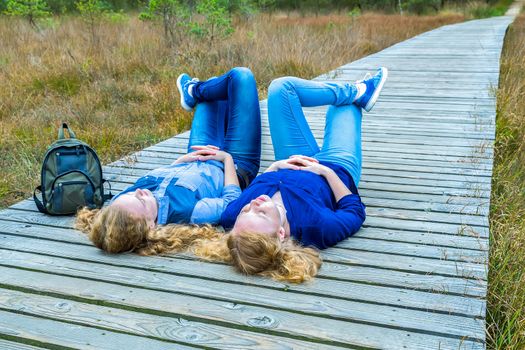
<point x="188" y="192"/>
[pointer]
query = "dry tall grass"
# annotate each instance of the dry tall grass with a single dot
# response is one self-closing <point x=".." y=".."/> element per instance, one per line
<point x="120" y="95"/>
<point x="506" y="292"/>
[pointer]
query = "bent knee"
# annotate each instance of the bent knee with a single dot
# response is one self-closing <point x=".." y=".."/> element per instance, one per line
<point x="279" y="84"/>
<point x="242" y="73"/>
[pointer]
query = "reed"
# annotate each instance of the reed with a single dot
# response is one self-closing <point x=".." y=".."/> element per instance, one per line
<point x="506" y="292"/>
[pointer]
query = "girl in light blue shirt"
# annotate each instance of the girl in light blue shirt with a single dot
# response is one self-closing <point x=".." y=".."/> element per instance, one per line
<point x="223" y="156"/>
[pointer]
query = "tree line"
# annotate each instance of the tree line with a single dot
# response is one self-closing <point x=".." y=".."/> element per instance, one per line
<point x="248" y="6"/>
<point x="207" y="19"/>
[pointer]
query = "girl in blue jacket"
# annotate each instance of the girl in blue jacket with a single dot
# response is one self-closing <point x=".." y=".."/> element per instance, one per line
<point x="309" y="194"/>
<point x="223" y="157"/>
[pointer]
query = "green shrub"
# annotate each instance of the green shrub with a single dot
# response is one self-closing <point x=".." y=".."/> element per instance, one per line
<point x="216" y="24"/>
<point x="32" y="10"/>
<point x="174" y="15"/>
<point x="354" y="12"/>
<point x="117" y="17"/>
<point x="92" y="12"/>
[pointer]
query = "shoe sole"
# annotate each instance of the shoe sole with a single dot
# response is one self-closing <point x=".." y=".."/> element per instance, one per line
<point x="182" y="102"/>
<point x="375" y="96"/>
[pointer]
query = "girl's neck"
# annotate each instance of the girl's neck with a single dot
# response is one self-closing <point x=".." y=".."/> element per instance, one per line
<point x="279" y="200"/>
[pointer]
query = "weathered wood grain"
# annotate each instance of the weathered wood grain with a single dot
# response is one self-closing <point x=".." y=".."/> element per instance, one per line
<point x="165" y="328"/>
<point x="319" y="306"/>
<point x="73" y="336"/>
<point x="11" y="345"/>
<point x="382" y="259"/>
<point x="253" y="318"/>
<point x="389" y="288"/>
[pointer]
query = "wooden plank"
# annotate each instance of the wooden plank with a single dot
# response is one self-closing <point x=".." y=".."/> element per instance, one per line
<point x="427" y="238"/>
<point x="445" y="199"/>
<point x="428" y="216"/>
<point x="139" y="324"/>
<point x="407" y="290"/>
<point x="464" y="146"/>
<point x="425" y="206"/>
<point x="349" y="273"/>
<point x="11" y="345"/>
<point x="407" y="249"/>
<point x="467" y="147"/>
<point x="478" y="152"/>
<point x="115" y="169"/>
<point x="167" y="154"/>
<point x="72" y="336"/>
<point x="248" y="317"/>
<point x="411" y="225"/>
<point x="330" y="308"/>
<point x="147" y="163"/>
<point x="407" y="263"/>
<point x="162" y="153"/>
<point x="424" y="238"/>
<point x="371" y="221"/>
<point x="400" y="263"/>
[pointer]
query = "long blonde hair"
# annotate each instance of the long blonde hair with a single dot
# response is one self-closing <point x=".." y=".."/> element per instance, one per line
<point x="115" y="230"/>
<point x="254" y="253"/>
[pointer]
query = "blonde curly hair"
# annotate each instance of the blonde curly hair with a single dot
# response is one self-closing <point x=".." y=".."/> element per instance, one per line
<point x="254" y="253"/>
<point x="115" y="230"/>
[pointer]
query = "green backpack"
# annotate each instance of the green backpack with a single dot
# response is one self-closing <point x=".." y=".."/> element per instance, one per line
<point x="71" y="177"/>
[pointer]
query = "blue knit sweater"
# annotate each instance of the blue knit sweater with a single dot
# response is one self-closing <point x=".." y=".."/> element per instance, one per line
<point x="315" y="218"/>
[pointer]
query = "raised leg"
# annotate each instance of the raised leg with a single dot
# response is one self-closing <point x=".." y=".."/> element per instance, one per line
<point x="207" y="127"/>
<point x="289" y="129"/>
<point x="342" y="139"/>
<point x="233" y="101"/>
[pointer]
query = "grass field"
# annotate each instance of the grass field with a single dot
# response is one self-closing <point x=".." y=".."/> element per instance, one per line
<point x="119" y="95"/>
<point x="506" y="293"/>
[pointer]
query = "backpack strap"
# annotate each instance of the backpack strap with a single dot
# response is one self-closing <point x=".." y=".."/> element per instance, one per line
<point x="38" y="203"/>
<point x="61" y="135"/>
<point x="109" y="195"/>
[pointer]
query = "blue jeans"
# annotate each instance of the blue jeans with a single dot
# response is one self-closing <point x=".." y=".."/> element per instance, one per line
<point x="228" y="116"/>
<point x="290" y="131"/>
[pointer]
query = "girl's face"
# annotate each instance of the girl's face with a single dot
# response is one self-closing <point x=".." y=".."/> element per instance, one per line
<point x="261" y="215"/>
<point x="140" y="203"/>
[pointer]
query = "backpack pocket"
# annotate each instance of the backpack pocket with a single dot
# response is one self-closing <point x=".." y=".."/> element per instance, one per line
<point x="73" y="158"/>
<point x="71" y="191"/>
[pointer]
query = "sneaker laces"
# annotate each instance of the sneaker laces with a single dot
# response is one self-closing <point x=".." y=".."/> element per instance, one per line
<point x="191" y="82"/>
<point x="367" y="76"/>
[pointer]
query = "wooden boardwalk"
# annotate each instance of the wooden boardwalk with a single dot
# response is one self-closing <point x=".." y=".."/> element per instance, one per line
<point x="414" y="277"/>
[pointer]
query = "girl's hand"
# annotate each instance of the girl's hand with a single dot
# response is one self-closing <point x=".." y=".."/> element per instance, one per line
<point x="299" y="156"/>
<point x="203" y="153"/>
<point x="282" y="164"/>
<point x="207" y="147"/>
<point x="296" y="162"/>
<point x="317" y="168"/>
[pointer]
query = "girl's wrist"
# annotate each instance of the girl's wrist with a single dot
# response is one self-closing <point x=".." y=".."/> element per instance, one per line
<point x="327" y="172"/>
